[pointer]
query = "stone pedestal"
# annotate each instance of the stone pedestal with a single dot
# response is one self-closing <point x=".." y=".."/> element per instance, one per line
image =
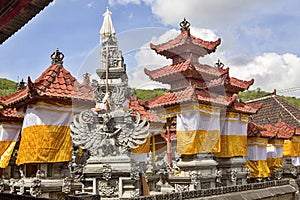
<point x="112" y="176"/>
<point x="197" y="172"/>
<point x="232" y="171"/>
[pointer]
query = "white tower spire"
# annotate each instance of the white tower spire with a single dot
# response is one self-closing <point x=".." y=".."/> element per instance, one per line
<point x="107" y="28"/>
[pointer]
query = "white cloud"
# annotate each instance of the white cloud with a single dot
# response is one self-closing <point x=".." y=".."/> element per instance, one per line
<point x="201" y="13"/>
<point x="270" y="71"/>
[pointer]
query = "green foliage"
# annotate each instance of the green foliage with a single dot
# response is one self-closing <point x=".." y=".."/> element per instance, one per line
<point x="7" y="86"/>
<point x="252" y="94"/>
<point x="293" y="100"/>
<point x="146" y="95"/>
<point x="258" y="93"/>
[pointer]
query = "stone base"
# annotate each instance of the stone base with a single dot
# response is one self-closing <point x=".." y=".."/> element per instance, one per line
<point x="198" y="171"/>
<point x="233" y="171"/>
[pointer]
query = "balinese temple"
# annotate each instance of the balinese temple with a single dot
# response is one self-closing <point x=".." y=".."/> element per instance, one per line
<point x="59" y="137"/>
<point x="210" y="120"/>
<point x="277" y="110"/>
<point x="47" y="106"/>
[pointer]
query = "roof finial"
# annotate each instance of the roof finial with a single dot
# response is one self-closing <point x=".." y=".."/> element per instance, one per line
<point x="57" y="57"/>
<point x="219" y="64"/>
<point x="185" y="25"/>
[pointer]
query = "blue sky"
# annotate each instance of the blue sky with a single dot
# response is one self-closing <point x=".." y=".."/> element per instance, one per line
<point x="260" y="38"/>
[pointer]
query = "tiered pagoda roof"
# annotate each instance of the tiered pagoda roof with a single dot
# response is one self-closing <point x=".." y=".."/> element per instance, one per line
<point x="55" y="84"/>
<point x="185" y="43"/>
<point x="192" y="81"/>
<point x="276" y="109"/>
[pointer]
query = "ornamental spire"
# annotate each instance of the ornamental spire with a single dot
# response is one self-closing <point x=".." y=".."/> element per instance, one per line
<point x="107" y="28"/>
<point x="57" y="57"/>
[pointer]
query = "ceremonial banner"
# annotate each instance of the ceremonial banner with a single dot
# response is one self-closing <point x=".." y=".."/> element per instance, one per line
<point x="257" y="157"/>
<point x="198" y="131"/>
<point x="275" y="154"/>
<point x="9" y="134"/>
<point x="46" y="134"/>
<point x="233" y="135"/>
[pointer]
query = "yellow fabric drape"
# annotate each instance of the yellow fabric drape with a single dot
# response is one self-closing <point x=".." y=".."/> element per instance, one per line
<point x="258" y="169"/>
<point x="45" y="144"/>
<point x="143" y="148"/>
<point x="3" y="146"/>
<point x="287" y="148"/>
<point x="296" y="145"/>
<point x="257" y="141"/>
<point x="232" y="145"/>
<point x="5" y="157"/>
<point x="274" y="163"/>
<point x="198" y="141"/>
<point x="291" y="147"/>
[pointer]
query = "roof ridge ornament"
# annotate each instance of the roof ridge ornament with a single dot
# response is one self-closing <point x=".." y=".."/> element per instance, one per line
<point x="57" y="57"/>
<point x="219" y="64"/>
<point x="185" y="25"/>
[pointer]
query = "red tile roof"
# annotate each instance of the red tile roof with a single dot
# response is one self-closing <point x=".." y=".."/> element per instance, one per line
<point x="255" y="130"/>
<point x="185" y="41"/>
<point x="172" y="72"/>
<point x="242" y="107"/>
<point x="230" y="84"/>
<point x="280" y="130"/>
<point x="55" y="82"/>
<point x="190" y="94"/>
<point x="10" y="114"/>
<point x="285" y="131"/>
<point x="137" y="104"/>
<point x="236" y="85"/>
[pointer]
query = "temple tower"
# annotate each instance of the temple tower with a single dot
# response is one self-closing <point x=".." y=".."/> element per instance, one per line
<point x="112" y="71"/>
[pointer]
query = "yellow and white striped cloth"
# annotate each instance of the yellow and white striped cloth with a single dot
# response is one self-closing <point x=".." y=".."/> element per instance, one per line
<point x="233" y="135"/>
<point x="257" y="157"/>
<point x="9" y="134"/>
<point x="140" y="154"/>
<point x="291" y="148"/>
<point x="198" y="131"/>
<point x="275" y="154"/>
<point x="46" y="134"/>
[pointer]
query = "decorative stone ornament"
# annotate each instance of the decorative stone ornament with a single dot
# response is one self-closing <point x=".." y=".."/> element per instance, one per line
<point x="185" y="25"/>
<point x="57" y="57"/>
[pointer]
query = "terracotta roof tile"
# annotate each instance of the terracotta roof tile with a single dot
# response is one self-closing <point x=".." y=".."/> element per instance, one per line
<point x="187" y="95"/>
<point x="168" y="49"/>
<point x="55" y="82"/>
<point x="236" y="85"/>
<point x="285" y="131"/>
<point x="255" y="130"/>
<point x="172" y="72"/>
<point x="10" y="115"/>
<point x="242" y="107"/>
